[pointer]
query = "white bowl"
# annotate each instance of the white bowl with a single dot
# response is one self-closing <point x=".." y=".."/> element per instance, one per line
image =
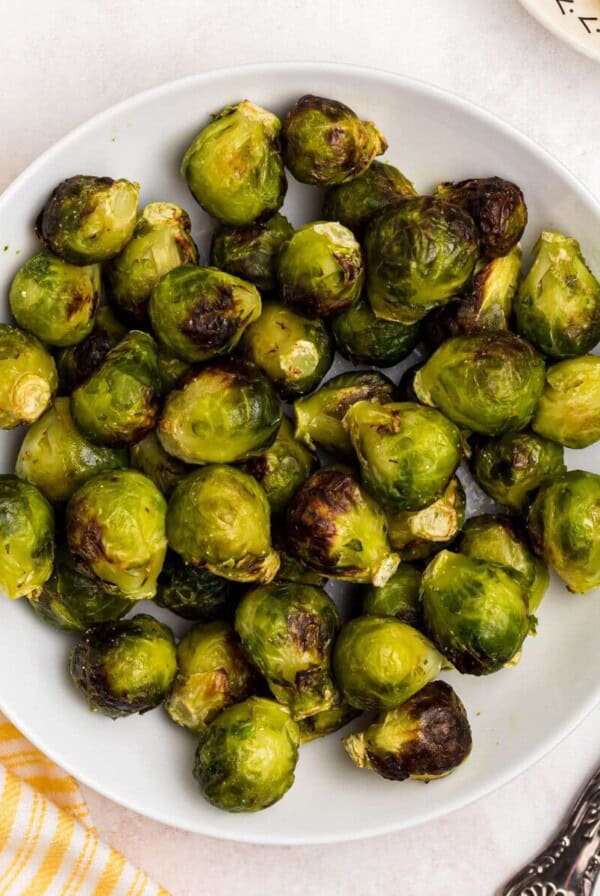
<point x="576" y="22"/>
<point x="145" y="762"/>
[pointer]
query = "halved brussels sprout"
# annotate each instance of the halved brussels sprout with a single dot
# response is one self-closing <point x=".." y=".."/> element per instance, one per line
<point x="124" y="667"/>
<point x="77" y="362"/>
<point x="282" y="468"/>
<point x="399" y="597"/>
<point x="366" y="339"/>
<point x="194" y="593"/>
<point x="151" y="459"/>
<point x="328" y="721"/>
<point x="28" y="378"/>
<point x="26" y="537"/>
<point x="170" y="370"/>
<point x="569" y="409"/>
<point x="354" y="203"/>
<point x="88" y="219"/>
<point x="251" y="252"/>
<point x="325" y="142"/>
<point x="234" y="168"/>
<point x="293" y="570"/>
<point x="417" y="534"/>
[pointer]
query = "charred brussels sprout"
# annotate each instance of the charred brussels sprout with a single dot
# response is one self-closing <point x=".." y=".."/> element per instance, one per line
<point x="558" y="305"/>
<point x="124" y="667"/>
<point x="151" y="459"/>
<point x="328" y="721"/>
<point x="218" y="518"/>
<point x="353" y="204"/>
<point x="26" y="537"/>
<point x="366" y="339"/>
<point x="193" y="593"/>
<point x="246" y="760"/>
<point x="77" y="362"/>
<point x="399" y="597"/>
<point x="251" y="252"/>
<point x="170" y="370"/>
<point x="569" y="409"/>
<point x="282" y="468"/>
<point x="234" y="168"/>
<point x="417" y="534"/>
<point x="564" y="530"/>
<point x="28" y="377"/>
<point x="89" y="219"/>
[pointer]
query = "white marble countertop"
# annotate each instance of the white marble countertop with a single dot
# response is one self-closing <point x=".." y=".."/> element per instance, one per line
<point x="63" y="61"/>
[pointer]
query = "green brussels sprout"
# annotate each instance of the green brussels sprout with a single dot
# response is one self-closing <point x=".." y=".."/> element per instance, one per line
<point x="246" y="760"/>
<point x="161" y="241"/>
<point x="420" y="253"/>
<point x="119" y="402"/>
<point x="116" y="529"/>
<point x="151" y="459"/>
<point x="234" y="168"/>
<point x="320" y="269"/>
<point x="26" y="537"/>
<point x="475" y="612"/>
<point x="569" y="409"/>
<point x="170" y="370"/>
<point x="218" y="518"/>
<point x="490" y="383"/>
<point x="293" y="570"/>
<point x="426" y="738"/>
<point x="496" y="205"/>
<point x="319" y="416"/>
<point x="282" y="468"/>
<point x="563" y="526"/>
<point x="87" y="219"/>
<point x="366" y="339"/>
<point x="407" y="454"/>
<point x="294" y="351"/>
<point x="212" y="673"/>
<point x="287" y="630"/>
<point x="328" y="721"/>
<point x="418" y="534"/>
<point x="558" y="305"/>
<point x="399" y="597"/>
<point x="222" y="413"/>
<point x="354" y="203"/>
<point x="73" y="602"/>
<point x="199" y="313"/>
<point x="77" y="362"/>
<point x="193" y="593"/>
<point x="325" y="142"/>
<point x="125" y="666"/>
<point x="336" y="528"/>
<point x="251" y="252"/>
<point x="28" y="378"/>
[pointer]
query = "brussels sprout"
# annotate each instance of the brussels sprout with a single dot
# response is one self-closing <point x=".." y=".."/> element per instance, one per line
<point x="124" y="667"/>
<point x="569" y="409"/>
<point x="426" y="738"/>
<point x="77" y="362"/>
<point x="28" y="377"/>
<point x="320" y="269"/>
<point x="212" y="673"/>
<point x="293" y="570"/>
<point x="87" y="219"/>
<point x="399" y="597"/>
<point x="282" y="468"/>
<point x="407" y="454"/>
<point x="490" y="383"/>
<point x="233" y="167"/>
<point x="418" y="534"/>
<point x="26" y="537"/>
<point x="246" y="760"/>
<point x="116" y="529"/>
<point x="198" y="313"/>
<point x="161" y="241"/>
<point x="119" y="402"/>
<point x="476" y="612"/>
<point x="420" y="253"/>
<point x="558" y="305"/>
<point x="222" y="413"/>
<point x="325" y="142"/>
<point x="564" y="531"/>
<point x="336" y="528"/>
<point x="251" y="252"/>
<point x="151" y="459"/>
<point x="170" y="370"/>
<point x="319" y="416"/>
<point x="328" y="721"/>
<point x="497" y="206"/>
<point x="294" y="351"/>
<point x="218" y="518"/>
<point x="193" y="593"/>
<point x="354" y="203"/>
<point x="287" y="631"/>
<point x="366" y="339"/>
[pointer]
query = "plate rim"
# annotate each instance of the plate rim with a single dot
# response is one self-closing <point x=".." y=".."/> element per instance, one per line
<point x="580" y="46"/>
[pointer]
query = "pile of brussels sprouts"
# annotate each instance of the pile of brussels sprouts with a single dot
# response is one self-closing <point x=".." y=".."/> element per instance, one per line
<point x="160" y="464"/>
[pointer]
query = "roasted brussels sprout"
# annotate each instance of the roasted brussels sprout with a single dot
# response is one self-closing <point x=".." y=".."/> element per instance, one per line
<point x="246" y="760"/>
<point x="325" y="142"/>
<point x="294" y="351"/>
<point x="354" y="203"/>
<point x="426" y="738"/>
<point x="569" y="409"/>
<point x="151" y="459"/>
<point x="475" y="612"/>
<point x="170" y="370"/>
<point x="87" y="219"/>
<point x="328" y="721"/>
<point x="490" y="383"/>
<point x="336" y="528"/>
<point x="77" y="362"/>
<point x="26" y="537"/>
<point x="161" y="241"/>
<point x="558" y="305"/>
<point x="218" y="518"/>
<point x="420" y="253"/>
<point x="399" y="597"/>
<point x="234" y="168"/>
<point x="319" y="416"/>
<point x="564" y="531"/>
<point x="418" y="534"/>
<point x="366" y="339"/>
<point x="496" y="205"/>
<point x="116" y="529"/>
<point x="282" y="468"/>
<point x="194" y="593"/>
<point x="222" y="413"/>
<point x="212" y="673"/>
<point x="320" y="269"/>
<point x="293" y="570"/>
<point x="124" y="667"/>
<point x="251" y="252"/>
<point x="28" y="377"/>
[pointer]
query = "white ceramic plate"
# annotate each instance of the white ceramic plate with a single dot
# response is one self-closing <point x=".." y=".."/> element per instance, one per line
<point x="145" y="762"/>
<point x="577" y="22"/>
